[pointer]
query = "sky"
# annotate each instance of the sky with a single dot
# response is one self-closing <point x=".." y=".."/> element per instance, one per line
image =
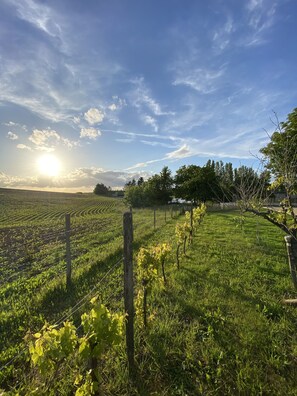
<point x="101" y="91"/>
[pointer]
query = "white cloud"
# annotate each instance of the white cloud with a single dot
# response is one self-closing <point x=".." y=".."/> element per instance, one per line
<point x="260" y="18"/>
<point x="205" y="81"/>
<point x="9" y="124"/>
<point x="76" y="120"/>
<point x="90" y="133"/>
<point x="15" y="125"/>
<point x="40" y="137"/>
<point x="118" y="102"/>
<point x="156" y="143"/>
<point x="149" y="120"/>
<point x="222" y="35"/>
<point x="23" y="147"/>
<point x="182" y="152"/>
<point x="81" y="179"/>
<point x="48" y="139"/>
<point x="94" y="116"/>
<point x="112" y="107"/>
<point x="141" y="97"/>
<point x="12" y="136"/>
<point x="254" y="4"/>
<point x="39" y="15"/>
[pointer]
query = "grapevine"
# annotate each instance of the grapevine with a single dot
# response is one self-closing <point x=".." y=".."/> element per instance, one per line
<point x="52" y="347"/>
<point x="146" y="272"/>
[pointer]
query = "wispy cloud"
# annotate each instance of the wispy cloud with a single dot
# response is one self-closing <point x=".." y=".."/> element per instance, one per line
<point x="15" y="125"/>
<point x="12" y="136"/>
<point x="23" y="147"/>
<point x="204" y="81"/>
<point x="149" y="120"/>
<point x="141" y="98"/>
<point x="260" y="17"/>
<point x="223" y="34"/>
<point x="157" y="143"/>
<point x="182" y="152"/>
<point x="39" y="15"/>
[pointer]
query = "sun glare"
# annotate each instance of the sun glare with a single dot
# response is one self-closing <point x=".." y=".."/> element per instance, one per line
<point x="49" y="165"/>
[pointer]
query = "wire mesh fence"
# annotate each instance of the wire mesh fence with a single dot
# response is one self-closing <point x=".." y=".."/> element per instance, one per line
<point x="46" y="262"/>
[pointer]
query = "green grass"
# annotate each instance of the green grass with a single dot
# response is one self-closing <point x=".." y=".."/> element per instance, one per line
<point x="219" y="327"/>
<point x="36" y="292"/>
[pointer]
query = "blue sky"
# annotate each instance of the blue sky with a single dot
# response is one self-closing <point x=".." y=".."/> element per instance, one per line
<point x="103" y="91"/>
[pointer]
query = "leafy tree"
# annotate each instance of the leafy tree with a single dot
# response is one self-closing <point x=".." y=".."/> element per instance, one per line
<point x="101" y="189"/>
<point x="130" y="183"/>
<point x="195" y="183"/>
<point x="140" y="181"/>
<point x="280" y="156"/>
<point x="158" y="188"/>
<point x="135" y="196"/>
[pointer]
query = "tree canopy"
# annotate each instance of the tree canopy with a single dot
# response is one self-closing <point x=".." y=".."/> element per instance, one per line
<point x="214" y="181"/>
<point x="281" y="154"/>
<point x="101" y="189"/>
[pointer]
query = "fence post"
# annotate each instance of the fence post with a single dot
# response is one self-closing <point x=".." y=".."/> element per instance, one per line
<point x="154" y="219"/>
<point x="128" y="288"/>
<point x="291" y="245"/>
<point x="68" y="251"/>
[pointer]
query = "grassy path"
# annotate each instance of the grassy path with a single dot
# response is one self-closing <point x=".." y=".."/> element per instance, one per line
<point x="219" y="327"/>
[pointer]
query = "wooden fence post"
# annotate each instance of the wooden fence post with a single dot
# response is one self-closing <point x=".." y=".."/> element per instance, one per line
<point x="154" y="219"/>
<point x="128" y="289"/>
<point x="68" y="251"/>
<point x="291" y="245"/>
<point x="191" y="223"/>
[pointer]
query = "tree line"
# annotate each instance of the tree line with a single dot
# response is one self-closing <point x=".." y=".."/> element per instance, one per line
<point x="221" y="182"/>
<point x="215" y="181"/>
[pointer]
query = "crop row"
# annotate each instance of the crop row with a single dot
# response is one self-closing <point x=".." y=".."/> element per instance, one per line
<point x="56" y="215"/>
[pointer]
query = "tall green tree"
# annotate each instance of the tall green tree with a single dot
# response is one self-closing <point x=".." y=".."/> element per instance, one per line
<point x="158" y="188"/>
<point x="101" y="189"/>
<point x="281" y="154"/>
<point x="195" y="183"/>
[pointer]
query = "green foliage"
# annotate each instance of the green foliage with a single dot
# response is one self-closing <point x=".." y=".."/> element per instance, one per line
<point x="157" y="190"/>
<point x="149" y="261"/>
<point x="50" y="348"/>
<point x="135" y="196"/>
<point x="185" y="230"/>
<point x="101" y="189"/>
<point x="195" y="183"/>
<point x="147" y="269"/>
<point x="281" y="153"/>
<point x="86" y="387"/>
<point x="102" y="330"/>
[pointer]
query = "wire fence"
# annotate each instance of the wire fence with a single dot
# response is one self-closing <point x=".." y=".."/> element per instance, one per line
<point x="109" y="286"/>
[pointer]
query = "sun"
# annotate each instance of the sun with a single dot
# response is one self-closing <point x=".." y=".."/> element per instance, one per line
<point x="49" y="165"/>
